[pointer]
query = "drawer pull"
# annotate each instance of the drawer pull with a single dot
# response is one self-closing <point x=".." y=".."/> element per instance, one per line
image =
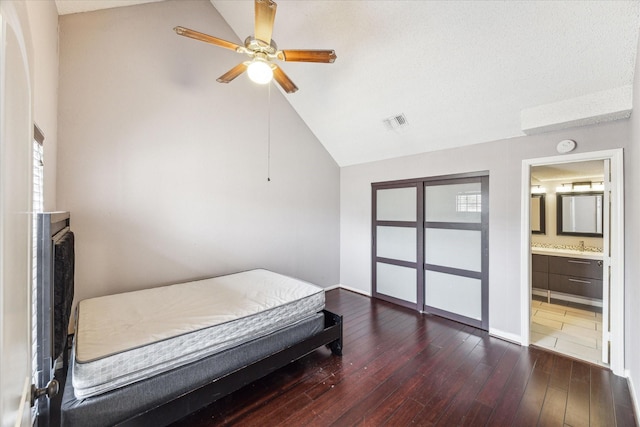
<point x="579" y="262"/>
<point x="586" y="282"/>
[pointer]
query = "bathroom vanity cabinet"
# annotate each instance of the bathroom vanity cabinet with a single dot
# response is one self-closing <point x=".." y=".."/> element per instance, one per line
<point x="572" y="276"/>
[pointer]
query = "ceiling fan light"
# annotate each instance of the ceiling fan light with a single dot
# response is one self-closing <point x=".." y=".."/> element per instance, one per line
<point x="260" y="72"/>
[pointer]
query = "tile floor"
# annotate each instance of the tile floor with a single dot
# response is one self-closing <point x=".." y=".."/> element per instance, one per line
<point x="572" y="329"/>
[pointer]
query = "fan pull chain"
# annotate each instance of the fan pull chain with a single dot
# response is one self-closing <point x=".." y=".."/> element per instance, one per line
<point x="269" y="133"/>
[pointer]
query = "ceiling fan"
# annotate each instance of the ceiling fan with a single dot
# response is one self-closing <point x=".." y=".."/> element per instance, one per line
<point x="262" y="50"/>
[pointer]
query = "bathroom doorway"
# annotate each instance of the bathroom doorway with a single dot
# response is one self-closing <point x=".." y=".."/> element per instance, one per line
<point x="572" y="256"/>
<point x="567" y="244"/>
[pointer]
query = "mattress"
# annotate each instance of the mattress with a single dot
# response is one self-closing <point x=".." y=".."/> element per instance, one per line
<point x="108" y="409"/>
<point x="124" y="338"/>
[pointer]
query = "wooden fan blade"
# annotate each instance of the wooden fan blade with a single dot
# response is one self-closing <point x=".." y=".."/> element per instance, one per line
<point x="265" y="15"/>
<point x="232" y="73"/>
<point x="327" y="56"/>
<point x="284" y="80"/>
<point x="205" y="38"/>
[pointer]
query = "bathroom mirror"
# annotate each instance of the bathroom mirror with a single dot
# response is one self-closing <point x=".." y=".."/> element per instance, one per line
<point x="580" y="214"/>
<point x="537" y="214"/>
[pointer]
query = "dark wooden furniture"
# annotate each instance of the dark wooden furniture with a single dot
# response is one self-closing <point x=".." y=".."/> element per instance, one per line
<point x="574" y="276"/>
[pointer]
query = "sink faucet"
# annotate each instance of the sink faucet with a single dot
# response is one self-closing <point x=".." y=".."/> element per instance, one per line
<point x="581" y="245"/>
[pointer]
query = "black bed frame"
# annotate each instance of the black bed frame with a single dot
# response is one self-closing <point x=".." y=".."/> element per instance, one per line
<point x="190" y="402"/>
<point x="51" y="227"/>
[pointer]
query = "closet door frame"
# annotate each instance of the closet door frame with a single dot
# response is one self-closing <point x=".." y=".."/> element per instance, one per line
<point x="419" y="224"/>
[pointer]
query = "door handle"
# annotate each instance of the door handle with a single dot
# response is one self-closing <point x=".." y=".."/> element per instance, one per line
<point x="586" y="282"/>
<point x="50" y="390"/>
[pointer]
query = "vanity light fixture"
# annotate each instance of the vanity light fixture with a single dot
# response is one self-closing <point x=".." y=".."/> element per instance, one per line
<point x="581" y="186"/>
<point x="538" y="189"/>
<point x="564" y="188"/>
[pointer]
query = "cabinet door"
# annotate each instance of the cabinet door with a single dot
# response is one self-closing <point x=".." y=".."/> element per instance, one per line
<point x="540" y="280"/>
<point x="585" y="287"/>
<point x="576" y="267"/>
<point x="540" y="263"/>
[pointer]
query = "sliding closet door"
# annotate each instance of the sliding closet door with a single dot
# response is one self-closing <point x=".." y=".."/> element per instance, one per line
<point x="456" y="249"/>
<point x="431" y="245"/>
<point x="397" y="243"/>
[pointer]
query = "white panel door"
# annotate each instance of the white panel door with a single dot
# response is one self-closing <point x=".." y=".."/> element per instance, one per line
<point x="606" y="273"/>
<point x="15" y="220"/>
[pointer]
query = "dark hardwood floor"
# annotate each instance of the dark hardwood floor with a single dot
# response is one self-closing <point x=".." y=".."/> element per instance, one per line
<point x="400" y="367"/>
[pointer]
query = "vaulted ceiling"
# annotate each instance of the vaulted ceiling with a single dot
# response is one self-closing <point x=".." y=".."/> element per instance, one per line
<point x="459" y="72"/>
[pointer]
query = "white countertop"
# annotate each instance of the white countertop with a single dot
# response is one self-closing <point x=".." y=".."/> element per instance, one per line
<point x="567" y="253"/>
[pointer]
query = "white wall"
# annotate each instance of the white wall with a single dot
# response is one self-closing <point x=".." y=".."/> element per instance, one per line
<point x="43" y="20"/>
<point x="503" y="160"/>
<point x="165" y="170"/>
<point x="632" y="245"/>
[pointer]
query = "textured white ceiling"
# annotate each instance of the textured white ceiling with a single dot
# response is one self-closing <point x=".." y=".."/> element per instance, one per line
<point x="76" y="6"/>
<point x="460" y="71"/>
<point x="587" y="170"/>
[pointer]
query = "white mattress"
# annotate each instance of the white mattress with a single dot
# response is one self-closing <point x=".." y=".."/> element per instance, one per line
<point x="124" y="338"/>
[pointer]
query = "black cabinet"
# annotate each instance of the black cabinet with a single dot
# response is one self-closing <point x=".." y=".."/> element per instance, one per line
<point x="575" y="276"/>
<point x="579" y="267"/>
<point x="540" y="272"/>
<point x="584" y="287"/>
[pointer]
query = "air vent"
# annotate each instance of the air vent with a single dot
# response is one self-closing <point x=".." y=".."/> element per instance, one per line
<point x="397" y="123"/>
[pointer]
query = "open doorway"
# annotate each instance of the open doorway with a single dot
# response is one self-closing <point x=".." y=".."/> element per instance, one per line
<point x="572" y="256"/>
<point x="567" y="246"/>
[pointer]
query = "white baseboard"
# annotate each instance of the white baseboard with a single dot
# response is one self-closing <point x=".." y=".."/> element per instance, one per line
<point x="634" y="396"/>
<point x="329" y="288"/>
<point x="507" y="336"/>
<point x="349" y="288"/>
